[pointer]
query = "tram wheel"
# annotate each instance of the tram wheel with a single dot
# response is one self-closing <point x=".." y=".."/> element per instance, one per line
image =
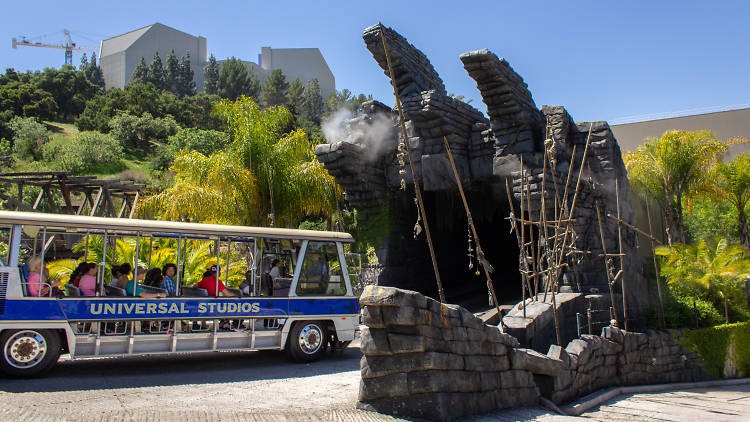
<point x="307" y="341"/>
<point x="27" y="353"/>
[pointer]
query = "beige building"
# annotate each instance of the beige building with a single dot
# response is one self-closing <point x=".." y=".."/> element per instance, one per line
<point x="725" y="125"/>
<point x="119" y="55"/>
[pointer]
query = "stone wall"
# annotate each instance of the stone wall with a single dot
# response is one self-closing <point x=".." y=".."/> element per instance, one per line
<point x="424" y="359"/>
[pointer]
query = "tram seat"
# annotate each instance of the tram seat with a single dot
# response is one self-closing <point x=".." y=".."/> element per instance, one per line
<point x="151" y="289"/>
<point x="194" y="292"/>
<point x="237" y="292"/>
<point x="114" y="291"/>
<point x="72" y="290"/>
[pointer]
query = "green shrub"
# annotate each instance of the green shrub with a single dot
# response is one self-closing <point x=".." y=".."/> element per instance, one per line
<point x="89" y="152"/>
<point x="138" y="133"/>
<point x="204" y="141"/>
<point x="712" y="346"/>
<point x="28" y="137"/>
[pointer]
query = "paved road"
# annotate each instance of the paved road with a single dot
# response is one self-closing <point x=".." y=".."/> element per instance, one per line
<point x="264" y="386"/>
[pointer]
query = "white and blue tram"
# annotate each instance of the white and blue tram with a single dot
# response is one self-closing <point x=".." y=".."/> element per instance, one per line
<point x="302" y="314"/>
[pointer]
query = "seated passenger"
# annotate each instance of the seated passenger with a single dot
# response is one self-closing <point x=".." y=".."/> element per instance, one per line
<point x="153" y="278"/>
<point x="210" y="282"/>
<point x="34" y="285"/>
<point x="168" y="282"/>
<point x="124" y="275"/>
<point x="87" y="282"/>
<point x="133" y="288"/>
<point x="246" y="287"/>
<point x="75" y="276"/>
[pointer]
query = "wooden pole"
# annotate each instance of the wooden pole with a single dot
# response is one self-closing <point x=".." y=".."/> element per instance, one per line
<point x="606" y="263"/>
<point x="622" y="267"/>
<point x="656" y="267"/>
<point x="417" y="190"/>
<point x="480" y="254"/>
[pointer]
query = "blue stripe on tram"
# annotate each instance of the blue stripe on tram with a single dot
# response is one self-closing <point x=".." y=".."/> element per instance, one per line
<point x="137" y="308"/>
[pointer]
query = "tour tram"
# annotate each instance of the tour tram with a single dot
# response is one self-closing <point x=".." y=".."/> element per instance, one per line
<point x="307" y="307"/>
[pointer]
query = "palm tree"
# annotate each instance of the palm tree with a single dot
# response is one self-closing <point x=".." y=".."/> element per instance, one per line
<point x="732" y="183"/>
<point x="673" y="166"/>
<point x="717" y="270"/>
<point x="213" y="189"/>
<point x="290" y="180"/>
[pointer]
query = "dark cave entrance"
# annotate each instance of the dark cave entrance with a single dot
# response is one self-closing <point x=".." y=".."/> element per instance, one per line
<point x="408" y="263"/>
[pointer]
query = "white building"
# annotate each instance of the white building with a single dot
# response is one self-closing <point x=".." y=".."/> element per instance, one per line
<point x="119" y="55"/>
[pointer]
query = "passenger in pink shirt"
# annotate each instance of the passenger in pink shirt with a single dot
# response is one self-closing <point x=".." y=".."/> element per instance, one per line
<point x="37" y="287"/>
<point x="87" y="284"/>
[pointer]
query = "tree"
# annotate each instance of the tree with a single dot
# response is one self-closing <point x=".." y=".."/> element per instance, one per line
<point x="274" y="91"/>
<point x="206" y="142"/>
<point x="291" y="182"/>
<point x="140" y="132"/>
<point x="211" y="76"/>
<point x="172" y="74"/>
<point x="140" y="73"/>
<point x="185" y="84"/>
<point x="732" y="183"/>
<point x="68" y="86"/>
<point x="712" y="271"/>
<point x="94" y="73"/>
<point x="156" y="74"/>
<point x="673" y="166"/>
<point x="312" y="102"/>
<point x="213" y="189"/>
<point x="27" y="100"/>
<point x="294" y="96"/>
<point x="90" y="152"/>
<point x="235" y="80"/>
<point x="28" y="137"/>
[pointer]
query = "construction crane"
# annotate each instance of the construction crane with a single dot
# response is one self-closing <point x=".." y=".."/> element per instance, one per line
<point x="69" y="45"/>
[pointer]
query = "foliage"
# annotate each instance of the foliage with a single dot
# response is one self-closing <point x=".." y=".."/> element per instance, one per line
<point x="92" y="71"/>
<point x="312" y="102"/>
<point x="673" y="166"/>
<point x="185" y="84"/>
<point x="712" y="346"/>
<point x="731" y="182"/>
<point x="139" y="132"/>
<point x="69" y="88"/>
<point x="211" y="76"/>
<point x="274" y="90"/>
<point x="204" y="141"/>
<point x="711" y="272"/>
<point x="137" y="99"/>
<point x="28" y="137"/>
<point x="235" y="80"/>
<point x="292" y="183"/>
<point x="26" y="100"/>
<point x="90" y="152"/>
<point x="345" y="100"/>
<point x="709" y="218"/>
<point x="213" y="189"/>
<point x="140" y="73"/>
<point x="294" y="96"/>
<point x="156" y="73"/>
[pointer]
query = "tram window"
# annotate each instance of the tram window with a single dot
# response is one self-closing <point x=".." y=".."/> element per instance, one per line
<point x="4" y="246"/>
<point x="321" y="271"/>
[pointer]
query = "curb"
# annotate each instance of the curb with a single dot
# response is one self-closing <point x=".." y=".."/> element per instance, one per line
<point x="594" y="400"/>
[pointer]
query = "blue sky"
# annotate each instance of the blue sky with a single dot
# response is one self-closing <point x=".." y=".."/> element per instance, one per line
<point x="602" y="60"/>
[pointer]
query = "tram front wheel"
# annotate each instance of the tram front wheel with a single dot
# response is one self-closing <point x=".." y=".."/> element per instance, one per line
<point x="28" y="352"/>
<point x="307" y="341"/>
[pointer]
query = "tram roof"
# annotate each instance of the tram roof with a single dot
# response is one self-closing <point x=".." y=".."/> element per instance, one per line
<point x="165" y="228"/>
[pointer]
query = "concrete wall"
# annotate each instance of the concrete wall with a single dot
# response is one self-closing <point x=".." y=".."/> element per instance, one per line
<point x="424" y="359"/>
<point x="725" y="125"/>
<point x="303" y="63"/>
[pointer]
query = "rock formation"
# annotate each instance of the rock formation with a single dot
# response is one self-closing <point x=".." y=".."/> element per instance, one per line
<point x="487" y="151"/>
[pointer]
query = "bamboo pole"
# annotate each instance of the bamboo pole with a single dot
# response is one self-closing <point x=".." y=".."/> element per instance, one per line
<point x="622" y="268"/>
<point x="606" y="263"/>
<point x="480" y="253"/>
<point x="656" y="267"/>
<point x="417" y="190"/>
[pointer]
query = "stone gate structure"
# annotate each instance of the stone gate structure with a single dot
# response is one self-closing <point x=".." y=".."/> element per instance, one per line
<point x="487" y="150"/>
